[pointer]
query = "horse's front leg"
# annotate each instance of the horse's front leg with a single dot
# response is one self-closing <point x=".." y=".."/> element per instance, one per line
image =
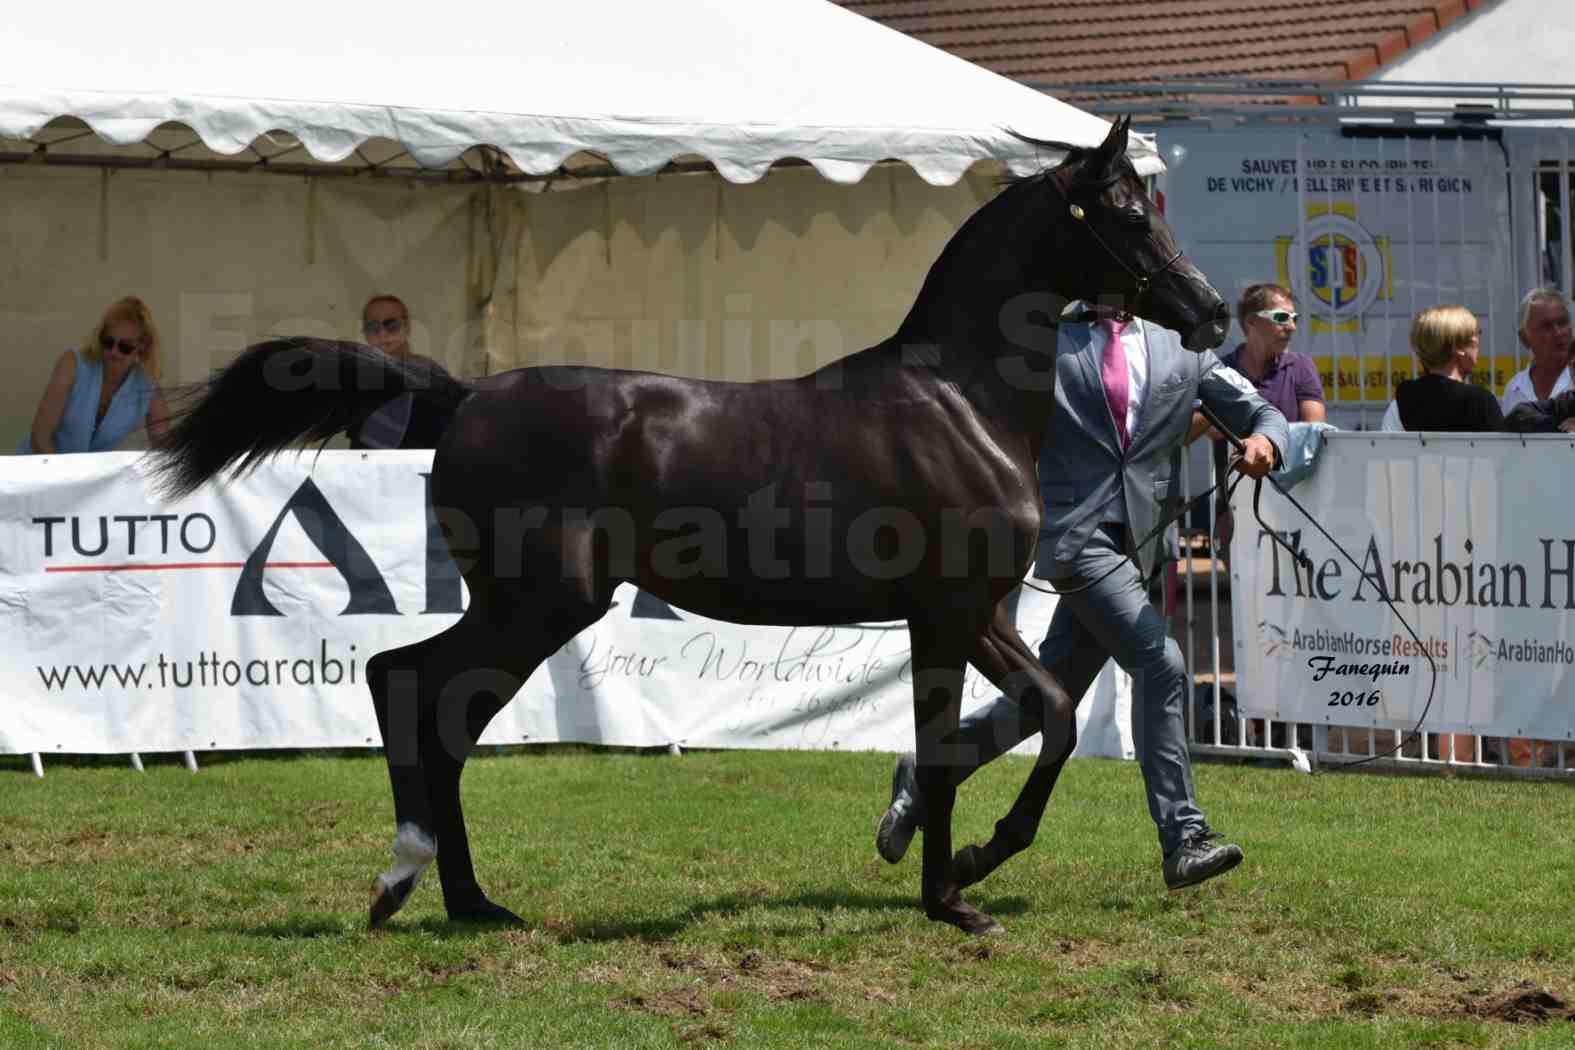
<point x="937" y="698"/>
<point x="1039" y="702"/>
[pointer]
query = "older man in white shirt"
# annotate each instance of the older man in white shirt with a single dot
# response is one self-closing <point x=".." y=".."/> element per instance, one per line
<point x="1544" y="321"/>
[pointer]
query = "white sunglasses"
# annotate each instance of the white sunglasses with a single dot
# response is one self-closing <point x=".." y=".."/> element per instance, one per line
<point x="1278" y="316"/>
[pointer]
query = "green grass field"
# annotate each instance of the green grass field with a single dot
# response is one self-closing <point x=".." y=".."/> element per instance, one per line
<point x="735" y="898"/>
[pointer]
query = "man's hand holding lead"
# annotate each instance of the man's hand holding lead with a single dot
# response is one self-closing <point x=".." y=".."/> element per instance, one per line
<point x="1258" y="458"/>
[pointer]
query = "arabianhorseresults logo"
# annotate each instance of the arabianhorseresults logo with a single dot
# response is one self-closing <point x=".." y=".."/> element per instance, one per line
<point x="1336" y="269"/>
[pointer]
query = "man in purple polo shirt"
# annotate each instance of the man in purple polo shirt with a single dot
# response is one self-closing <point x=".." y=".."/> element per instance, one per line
<point x="1285" y="379"/>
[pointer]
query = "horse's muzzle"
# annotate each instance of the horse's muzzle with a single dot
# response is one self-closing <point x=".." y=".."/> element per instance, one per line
<point x="1209" y="333"/>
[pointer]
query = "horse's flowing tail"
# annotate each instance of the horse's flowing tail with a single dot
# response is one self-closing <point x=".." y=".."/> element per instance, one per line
<point x="286" y="391"/>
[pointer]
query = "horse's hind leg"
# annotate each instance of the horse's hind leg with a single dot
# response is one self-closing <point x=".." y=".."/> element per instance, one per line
<point x="462" y="716"/>
<point x="434" y="700"/>
<point x="1039" y="704"/>
<point x="393" y="678"/>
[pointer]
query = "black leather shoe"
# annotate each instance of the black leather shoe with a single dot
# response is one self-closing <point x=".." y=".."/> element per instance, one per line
<point x="902" y="818"/>
<point x="1200" y="856"/>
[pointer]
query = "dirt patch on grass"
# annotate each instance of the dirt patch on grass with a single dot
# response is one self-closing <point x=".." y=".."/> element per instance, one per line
<point x="701" y="1033"/>
<point x="683" y="963"/>
<point x="1444" y="993"/>
<point x="674" y="1002"/>
<point x="563" y="927"/>
<point x="85" y="846"/>
<point x="1367" y="1004"/>
<point x="1526" y="1003"/>
<point x="442" y="974"/>
<point x="1068" y="951"/>
<point x="779" y="980"/>
<point x="602" y="973"/>
<point x="528" y="938"/>
<point x="975" y="951"/>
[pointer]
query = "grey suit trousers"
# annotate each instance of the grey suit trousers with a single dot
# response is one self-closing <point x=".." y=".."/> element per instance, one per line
<point x="1113" y="618"/>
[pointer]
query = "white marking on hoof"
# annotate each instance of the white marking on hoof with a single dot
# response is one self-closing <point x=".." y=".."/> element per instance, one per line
<point x="414" y="849"/>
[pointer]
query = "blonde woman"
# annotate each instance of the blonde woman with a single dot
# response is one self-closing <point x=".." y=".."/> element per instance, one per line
<point x="103" y="390"/>
<point x="1446" y="340"/>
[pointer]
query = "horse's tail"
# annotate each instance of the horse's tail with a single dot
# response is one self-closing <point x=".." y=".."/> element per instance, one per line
<point x="285" y="391"/>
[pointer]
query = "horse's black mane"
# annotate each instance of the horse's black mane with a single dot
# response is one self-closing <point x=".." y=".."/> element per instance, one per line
<point x="1074" y="155"/>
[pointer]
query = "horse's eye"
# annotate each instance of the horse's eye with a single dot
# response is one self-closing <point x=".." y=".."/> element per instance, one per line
<point x="1135" y="217"/>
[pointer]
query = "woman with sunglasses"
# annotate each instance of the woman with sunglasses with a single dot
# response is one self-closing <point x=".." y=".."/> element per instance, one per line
<point x="405" y="421"/>
<point x="103" y="390"/>
<point x="385" y="324"/>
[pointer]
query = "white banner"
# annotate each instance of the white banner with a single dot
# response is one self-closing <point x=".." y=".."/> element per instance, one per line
<point x="1470" y="536"/>
<point x="243" y="617"/>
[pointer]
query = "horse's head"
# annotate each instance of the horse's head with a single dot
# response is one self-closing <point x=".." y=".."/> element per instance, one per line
<point x="1116" y="249"/>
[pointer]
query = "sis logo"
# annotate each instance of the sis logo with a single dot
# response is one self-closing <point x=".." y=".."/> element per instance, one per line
<point x="1335" y="267"/>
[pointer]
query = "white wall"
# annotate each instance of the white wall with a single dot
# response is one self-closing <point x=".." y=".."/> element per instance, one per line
<point x="1511" y="41"/>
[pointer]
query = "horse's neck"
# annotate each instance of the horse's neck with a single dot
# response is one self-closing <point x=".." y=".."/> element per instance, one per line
<point x="954" y="333"/>
<point x="994" y="337"/>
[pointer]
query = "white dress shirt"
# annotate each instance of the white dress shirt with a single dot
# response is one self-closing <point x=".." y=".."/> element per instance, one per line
<point x="1520" y="388"/>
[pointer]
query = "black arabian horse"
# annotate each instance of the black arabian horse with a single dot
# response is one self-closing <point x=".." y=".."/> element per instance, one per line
<point x="896" y="484"/>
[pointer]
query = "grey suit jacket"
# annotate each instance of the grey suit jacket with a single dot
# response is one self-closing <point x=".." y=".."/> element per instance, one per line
<point x="1082" y="469"/>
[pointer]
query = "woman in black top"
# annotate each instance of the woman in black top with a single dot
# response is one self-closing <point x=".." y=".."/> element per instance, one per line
<point x="1446" y="340"/>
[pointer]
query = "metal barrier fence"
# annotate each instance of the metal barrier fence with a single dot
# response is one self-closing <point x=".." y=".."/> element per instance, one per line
<point x="1203" y="625"/>
<point x="1446" y="193"/>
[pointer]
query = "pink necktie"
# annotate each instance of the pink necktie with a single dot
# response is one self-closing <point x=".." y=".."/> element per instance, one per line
<point x="1114" y="374"/>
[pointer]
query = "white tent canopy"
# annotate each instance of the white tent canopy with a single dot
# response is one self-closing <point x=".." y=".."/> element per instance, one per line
<point x="740" y="84"/>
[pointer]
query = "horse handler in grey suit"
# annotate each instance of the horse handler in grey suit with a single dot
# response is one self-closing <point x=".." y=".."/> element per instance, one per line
<point x="1109" y="474"/>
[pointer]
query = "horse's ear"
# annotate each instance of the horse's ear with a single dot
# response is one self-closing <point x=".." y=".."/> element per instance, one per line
<point x="1110" y="152"/>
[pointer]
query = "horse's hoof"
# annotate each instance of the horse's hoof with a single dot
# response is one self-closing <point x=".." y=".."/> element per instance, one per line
<point x="976" y="923"/>
<point x="485" y="913"/>
<point x="965" y="917"/>
<point x="989" y="928"/>
<point x="386" y="900"/>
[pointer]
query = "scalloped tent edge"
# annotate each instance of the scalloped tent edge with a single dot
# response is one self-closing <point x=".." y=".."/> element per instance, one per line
<point x="743" y="86"/>
<point x="839" y="157"/>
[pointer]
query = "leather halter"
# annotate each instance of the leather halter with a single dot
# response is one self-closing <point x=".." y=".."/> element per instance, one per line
<point x="1141" y="281"/>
